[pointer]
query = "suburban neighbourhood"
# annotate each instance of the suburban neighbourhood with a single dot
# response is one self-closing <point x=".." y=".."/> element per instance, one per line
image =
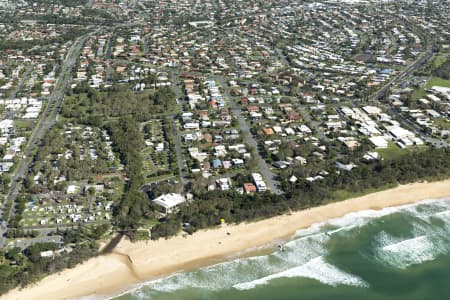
<point x="130" y="115"/>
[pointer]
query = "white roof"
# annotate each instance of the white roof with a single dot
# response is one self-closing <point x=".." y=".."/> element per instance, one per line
<point x="371" y="110"/>
<point x="399" y="132"/>
<point x="7" y="123"/>
<point x="72" y="189"/>
<point x="169" y="201"/>
<point x="441" y="89"/>
<point x="378" y="141"/>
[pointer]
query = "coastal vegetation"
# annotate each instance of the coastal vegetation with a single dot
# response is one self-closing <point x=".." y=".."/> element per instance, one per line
<point x="209" y="208"/>
<point x="86" y="107"/>
<point x="128" y="143"/>
<point x="19" y="268"/>
<point x="107" y="106"/>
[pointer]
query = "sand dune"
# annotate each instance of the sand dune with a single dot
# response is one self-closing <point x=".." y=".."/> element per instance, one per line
<point x="131" y="263"/>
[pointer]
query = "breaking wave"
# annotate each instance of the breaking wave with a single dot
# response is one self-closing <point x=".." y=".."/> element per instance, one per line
<point x="294" y="253"/>
<point x="412" y="251"/>
<point x="305" y="256"/>
<point x="317" y="269"/>
<point x="429" y="238"/>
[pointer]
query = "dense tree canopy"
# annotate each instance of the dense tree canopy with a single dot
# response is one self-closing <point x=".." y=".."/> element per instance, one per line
<point x="443" y="71"/>
<point x="209" y="208"/>
<point x="87" y="103"/>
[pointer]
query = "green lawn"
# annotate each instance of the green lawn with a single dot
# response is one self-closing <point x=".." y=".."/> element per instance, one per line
<point x="443" y="123"/>
<point x="23" y="124"/>
<point x="160" y="178"/>
<point x="344" y="194"/>
<point x="391" y="152"/>
<point x="147" y="166"/>
<point x="436" y="81"/>
<point x="148" y="223"/>
<point x="154" y="161"/>
<point x="418" y="93"/>
<point x="32" y="218"/>
<point x="439" y="60"/>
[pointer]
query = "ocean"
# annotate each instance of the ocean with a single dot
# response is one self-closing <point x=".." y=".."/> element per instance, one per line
<point x="395" y="253"/>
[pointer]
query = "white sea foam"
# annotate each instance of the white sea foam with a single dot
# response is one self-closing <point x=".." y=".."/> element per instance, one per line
<point x="420" y="244"/>
<point x="361" y="218"/>
<point x="227" y="274"/>
<point x="427" y="241"/>
<point x="303" y="249"/>
<point x="444" y="203"/>
<point x="412" y="251"/>
<point x="217" y="277"/>
<point x="430" y="226"/>
<point x="140" y="294"/>
<point x="443" y="216"/>
<point x="384" y="239"/>
<point x="425" y="210"/>
<point x="317" y="269"/>
<point x="304" y="255"/>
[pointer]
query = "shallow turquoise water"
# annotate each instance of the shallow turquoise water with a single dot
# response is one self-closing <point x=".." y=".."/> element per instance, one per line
<point x="395" y="253"/>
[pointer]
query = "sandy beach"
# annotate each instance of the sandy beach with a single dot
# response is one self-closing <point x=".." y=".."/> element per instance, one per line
<point x="131" y="263"/>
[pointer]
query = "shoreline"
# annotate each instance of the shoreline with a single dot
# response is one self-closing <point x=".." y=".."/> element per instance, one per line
<point x="131" y="264"/>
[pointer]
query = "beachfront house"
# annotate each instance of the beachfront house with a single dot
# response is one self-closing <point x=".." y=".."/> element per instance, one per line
<point x="169" y="202"/>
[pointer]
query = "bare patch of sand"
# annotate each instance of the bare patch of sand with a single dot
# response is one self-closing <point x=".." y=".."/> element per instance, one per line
<point x="132" y="263"/>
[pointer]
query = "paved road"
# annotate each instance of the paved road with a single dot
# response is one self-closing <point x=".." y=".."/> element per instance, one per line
<point x="26" y="242"/>
<point x="406" y="72"/>
<point x="438" y="143"/>
<point x="146" y="48"/>
<point x="302" y="108"/>
<point x="22" y="81"/>
<point x="264" y="169"/>
<point x="109" y="47"/>
<point x="314" y="124"/>
<point x="178" y="153"/>
<point x="109" y="70"/>
<point x="283" y="57"/>
<point x="48" y="118"/>
<point x="402" y="76"/>
<point x="176" y="134"/>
